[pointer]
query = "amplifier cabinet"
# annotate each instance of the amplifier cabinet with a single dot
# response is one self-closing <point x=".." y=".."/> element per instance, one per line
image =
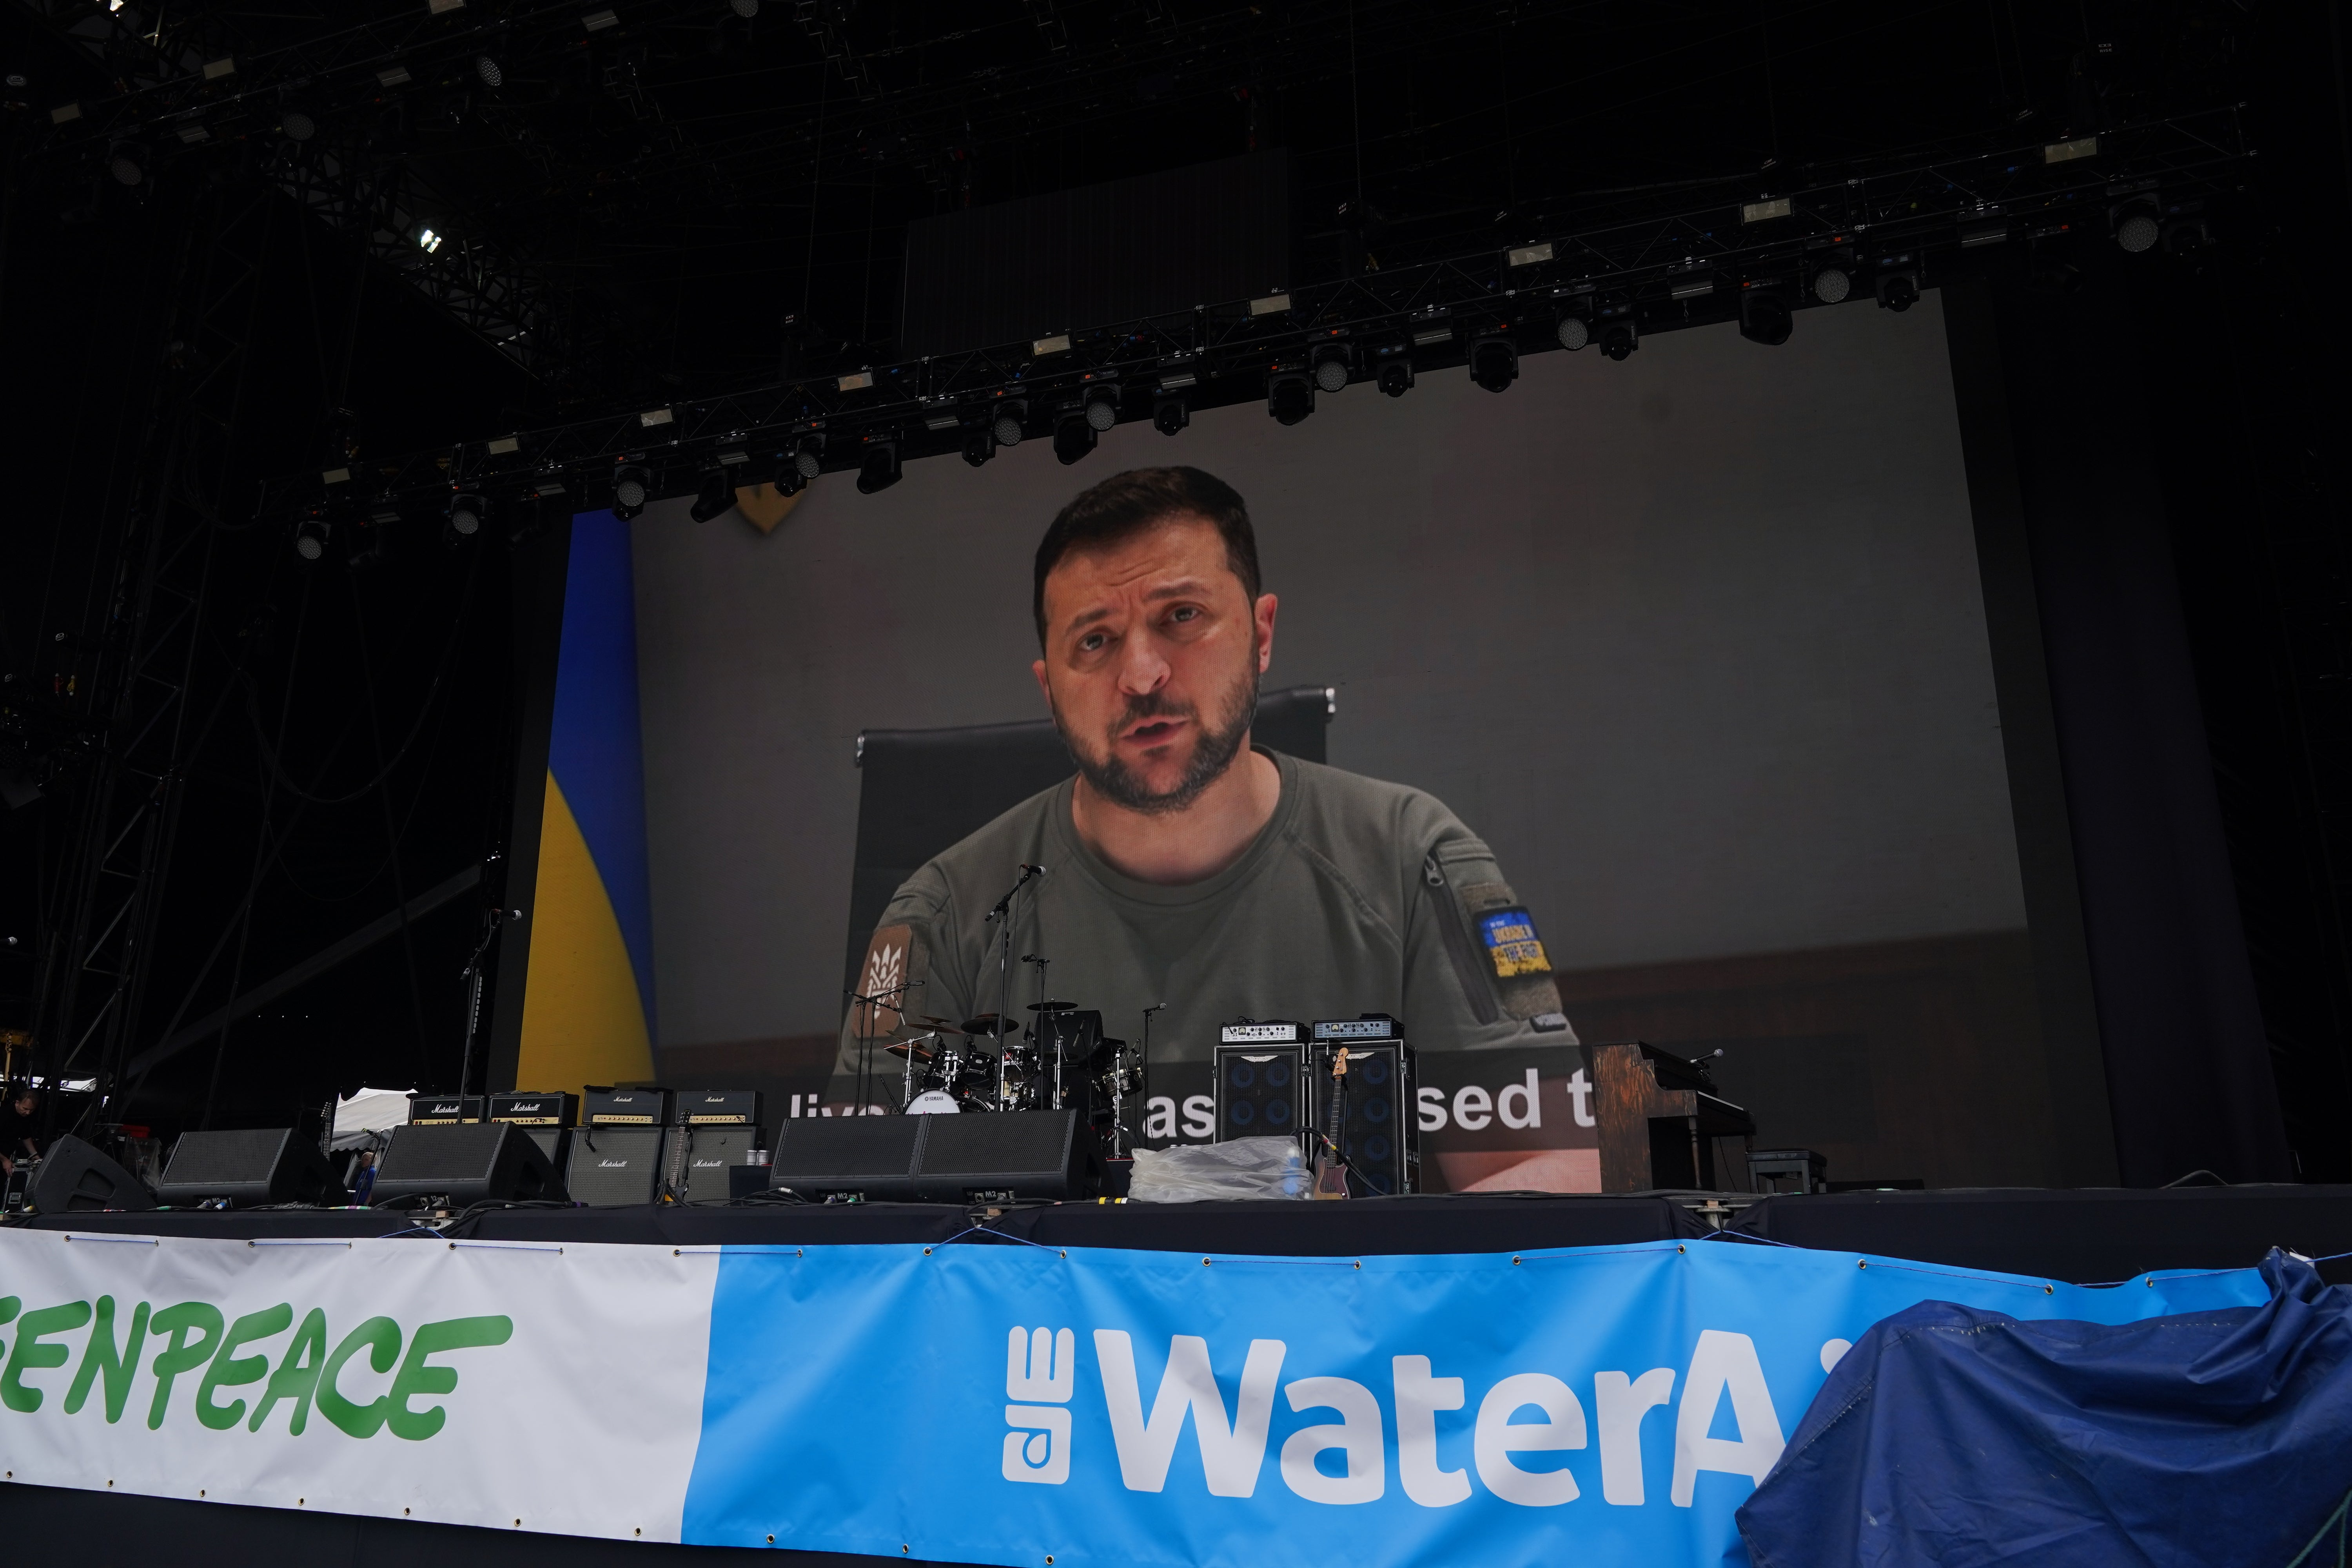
<point x="700" y="1157"/>
<point x="444" y="1110"/>
<point x="1257" y="1092"/>
<point x="637" y="1105"/>
<point x="1379" y="1136"/>
<point x="547" y="1108"/>
<point x="716" y="1107"/>
<point x="611" y="1166"/>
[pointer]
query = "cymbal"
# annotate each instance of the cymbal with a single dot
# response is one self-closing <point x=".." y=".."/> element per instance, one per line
<point x="921" y="1053"/>
<point x="948" y="1024"/>
<point x="986" y="1024"/>
<point x="1052" y="1007"/>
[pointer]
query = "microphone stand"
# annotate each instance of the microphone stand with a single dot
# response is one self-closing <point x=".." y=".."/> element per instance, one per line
<point x="472" y="976"/>
<point x="1146" y="1074"/>
<point x="1002" y="918"/>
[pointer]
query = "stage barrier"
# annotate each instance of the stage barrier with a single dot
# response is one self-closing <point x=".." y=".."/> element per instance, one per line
<point x="977" y="1401"/>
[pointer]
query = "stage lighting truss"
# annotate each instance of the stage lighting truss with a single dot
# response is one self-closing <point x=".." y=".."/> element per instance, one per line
<point x="1289" y="394"/>
<point x="1764" y="312"/>
<point x="1073" y="434"/>
<point x="633" y="486"/>
<point x="878" y="467"/>
<point x="1896" y="280"/>
<point x="1494" y="363"/>
<point x="1010" y="422"/>
<point x="1333" y="364"/>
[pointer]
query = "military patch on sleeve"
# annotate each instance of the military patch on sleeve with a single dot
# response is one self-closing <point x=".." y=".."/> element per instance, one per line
<point x="1512" y="945"/>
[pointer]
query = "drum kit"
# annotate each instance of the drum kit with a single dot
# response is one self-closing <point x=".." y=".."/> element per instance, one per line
<point x="1060" y="1059"/>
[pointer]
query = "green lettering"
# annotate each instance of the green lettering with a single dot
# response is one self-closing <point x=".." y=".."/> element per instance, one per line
<point x="199" y="1319"/>
<point x="382" y="1336"/>
<point x="229" y="1369"/>
<point x="8" y="1305"/>
<point x="297" y="1377"/>
<point x="99" y="1356"/>
<point x="29" y="1352"/>
<point x="416" y="1378"/>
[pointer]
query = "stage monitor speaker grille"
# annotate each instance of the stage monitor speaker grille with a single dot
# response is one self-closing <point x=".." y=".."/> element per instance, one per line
<point x="614" y="1166"/>
<point x="1002" y="1155"/>
<point x="245" y="1166"/>
<point x="471" y="1162"/>
<point x="873" y="1155"/>
<point x="75" y="1178"/>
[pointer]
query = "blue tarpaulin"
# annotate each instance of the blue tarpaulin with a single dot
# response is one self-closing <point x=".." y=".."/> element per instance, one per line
<point x="1958" y="1437"/>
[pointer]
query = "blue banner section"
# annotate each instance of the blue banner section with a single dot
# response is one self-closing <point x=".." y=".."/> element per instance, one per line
<point x="1090" y="1409"/>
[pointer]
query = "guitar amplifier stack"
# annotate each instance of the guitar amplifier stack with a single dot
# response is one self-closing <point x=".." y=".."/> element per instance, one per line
<point x="1273" y="1078"/>
<point x="1259" y="1073"/>
<point x="636" y="1144"/>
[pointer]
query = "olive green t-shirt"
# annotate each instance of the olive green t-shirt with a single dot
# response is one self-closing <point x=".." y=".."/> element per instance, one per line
<point x="1357" y="897"/>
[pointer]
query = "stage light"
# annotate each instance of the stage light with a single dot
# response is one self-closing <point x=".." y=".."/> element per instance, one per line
<point x="1169" y="415"/>
<point x="1393" y="369"/>
<point x="427" y="241"/>
<point x="1764" y="315"/>
<point x="808" y="456"/>
<point x="1494" y="363"/>
<point x="718" y="494"/>
<point x="1074" y="437"/>
<point x="1332" y="365"/>
<point x="487" y="70"/>
<point x="311" y="538"/>
<point x="1619" y="339"/>
<point x="2186" y="237"/>
<point x="2134" y="223"/>
<point x="467" y="510"/>
<point x="633" y="486"/>
<point x="1574" y="331"/>
<point x="297" y="125"/>
<point x="127" y="161"/>
<point x="747" y="9"/>
<point x="879" y="471"/>
<point x="978" y="448"/>
<point x="1832" y="285"/>
<point x="1011" y="422"/>
<point x="1290" y="397"/>
<point x="1102" y="407"/>
<point x="1897" y="283"/>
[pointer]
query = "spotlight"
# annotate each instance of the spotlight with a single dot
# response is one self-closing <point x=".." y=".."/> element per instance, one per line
<point x="979" y="446"/>
<point x="1169" y="415"/>
<point x="1290" y="397"/>
<point x="633" y="486"/>
<point x="2134" y="223"/>
<point x="1494" y="363"/>
<point x="1620" y="339"/>
<point x="1102" y="407"/>
<point x="1394" y="371"/>
<point x="311" y="538"/>
<point x="1332" y="366"/>
<point x="808" y="456"/>
<point x="1574" y="331"/>
<point x="127" y="161"/>
<point x="717" y="495"/>
<point x="466" y="512"/>
<point x="2186" y="237"/>
<point x="1897" y="283"/>
<point x="1832" y="285"/>
<point x="747" y="9"/>
<point x="297" y="125"/>
<point x="1012" y="416"/>
<point x="487" y="70"/>
<point x="1074" y="437"/>
<point x="879" y="471"/>
<point x="1764" y="315"/>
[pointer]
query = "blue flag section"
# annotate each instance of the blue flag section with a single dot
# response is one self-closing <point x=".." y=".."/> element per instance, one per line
<point x="1021" y="1404"/>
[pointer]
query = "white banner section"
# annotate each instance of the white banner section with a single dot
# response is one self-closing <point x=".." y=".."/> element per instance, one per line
<point x="517" y="1385"/>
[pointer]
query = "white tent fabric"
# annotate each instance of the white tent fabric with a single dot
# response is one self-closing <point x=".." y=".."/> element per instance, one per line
<point x="366" y="1120"/>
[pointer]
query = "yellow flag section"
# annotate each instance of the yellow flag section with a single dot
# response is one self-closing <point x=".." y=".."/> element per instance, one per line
<point x="582" y="1019"/>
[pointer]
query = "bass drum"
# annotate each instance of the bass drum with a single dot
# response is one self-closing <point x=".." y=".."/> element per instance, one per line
<point x="933" y="1102"/>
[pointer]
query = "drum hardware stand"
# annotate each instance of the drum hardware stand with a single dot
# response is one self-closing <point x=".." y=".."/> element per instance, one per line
<point x="1002" y="918"/>
<point x="1145" y="1065"/>
<point x="1046" y="1037"/>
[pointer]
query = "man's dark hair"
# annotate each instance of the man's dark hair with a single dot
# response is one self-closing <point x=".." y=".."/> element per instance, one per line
<point x="1126" y="504"/>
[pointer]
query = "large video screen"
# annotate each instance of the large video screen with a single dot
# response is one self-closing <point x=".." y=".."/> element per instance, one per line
<point x="1694" y="643"/>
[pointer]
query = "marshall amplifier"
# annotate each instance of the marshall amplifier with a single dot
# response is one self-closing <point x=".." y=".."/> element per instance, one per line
<point x="444" y="1110"/>
<point x="611" y="1165"/>
<point x="702" y="1153"/>
<point x="639" y="1105"/>
<point x="1379" y="1138"/>
<point x="1364" y="1027"/>
<point x="546" y="1109"/>
<point x="717" y="1108"/>
<point x="1252" y="1032"/>
<point x="1258" y="1090"/>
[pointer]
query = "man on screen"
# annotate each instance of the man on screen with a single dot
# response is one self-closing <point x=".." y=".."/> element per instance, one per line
<point x="1182" y="864"/>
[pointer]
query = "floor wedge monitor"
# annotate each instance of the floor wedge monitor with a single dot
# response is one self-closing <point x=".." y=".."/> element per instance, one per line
<point x="613" y="1166"/>
<point x="247" y="1166"/>
<point x="826" y="1157"/>
<point x="471" y="1162"/>
<point x="75" y="1178"/>
<point x="1000" y="1158"/>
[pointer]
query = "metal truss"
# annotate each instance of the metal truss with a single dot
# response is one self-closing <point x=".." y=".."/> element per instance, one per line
<point x="1926" y="219"/>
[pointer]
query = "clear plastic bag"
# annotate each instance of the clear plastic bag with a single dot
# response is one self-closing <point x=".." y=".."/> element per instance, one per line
<point x="1199" y="1173"/>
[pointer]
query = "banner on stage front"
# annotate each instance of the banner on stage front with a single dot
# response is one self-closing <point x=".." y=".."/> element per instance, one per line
<point x="991" y="1403"/>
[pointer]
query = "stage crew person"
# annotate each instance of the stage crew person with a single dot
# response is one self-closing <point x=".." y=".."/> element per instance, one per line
<point x="1182" y="864"/>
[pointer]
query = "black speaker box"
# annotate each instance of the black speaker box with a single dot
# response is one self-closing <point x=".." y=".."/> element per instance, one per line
<point x="634" y="1105"/>
<point x="1379" y="1136"/>
<point x="556" y="1143"/>
<point x="824" y="1156"/>
<point x="247" y="1166"/>
<point x="75" y="1178"/>
<point x="442" y="1109"/>
<point x="1257" y="1092"/>
<point x="611" y="1166"/>
<point x="974" y="1156"/>
<point x="700" y="1157"/>
<point x="546" y="1107"/>
<point x="471" y="1162"/>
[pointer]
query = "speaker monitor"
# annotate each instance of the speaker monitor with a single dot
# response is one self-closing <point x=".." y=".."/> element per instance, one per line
<point x="938" y="1159"/>
<point x="1257" y="1092"/>
<point x="700" y="1156"/>
<point x="1379" y="1129"/>
<point x="825" y="1156"/>
<point x="470" y="1163"/>
<point x="556" y="1143"/>
<point x="613" y="1166"/>
<point x="75" y="1178"/>
<point x="247" y="1166"/>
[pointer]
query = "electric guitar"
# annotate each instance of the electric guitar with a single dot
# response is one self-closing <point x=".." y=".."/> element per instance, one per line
<point x="1330" y="1170"/>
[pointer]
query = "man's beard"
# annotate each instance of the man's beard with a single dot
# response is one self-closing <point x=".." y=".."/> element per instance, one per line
<point x="1213" y="753"/>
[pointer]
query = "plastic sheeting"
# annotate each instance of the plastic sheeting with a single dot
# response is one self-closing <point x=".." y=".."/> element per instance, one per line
<point x="1957" y="1437"/>
<point x="364" y="1119"/>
